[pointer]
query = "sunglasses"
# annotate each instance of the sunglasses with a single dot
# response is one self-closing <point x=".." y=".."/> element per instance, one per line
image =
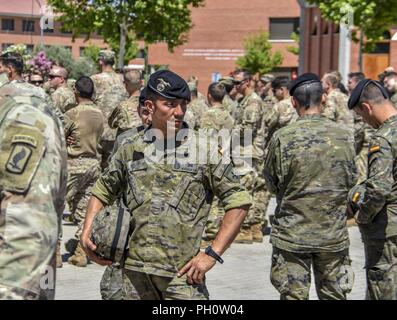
<point x="36" y="82"/>
<point x="51" y="76"/>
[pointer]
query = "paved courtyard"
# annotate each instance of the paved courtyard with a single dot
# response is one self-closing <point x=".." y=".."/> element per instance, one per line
<point x="244" y="275"/>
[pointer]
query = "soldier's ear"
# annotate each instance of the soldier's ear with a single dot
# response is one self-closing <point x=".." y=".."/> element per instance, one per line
<point x="294" y="103"/>
<point x="324" y="98"/>
<point x="149" y="104"/>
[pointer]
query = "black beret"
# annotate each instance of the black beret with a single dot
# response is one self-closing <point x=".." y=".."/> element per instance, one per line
<point x="358" y="90"/>
<point x="169" y="85"/>
<point x="305" y="78"/>
<point x="142" y="96"/>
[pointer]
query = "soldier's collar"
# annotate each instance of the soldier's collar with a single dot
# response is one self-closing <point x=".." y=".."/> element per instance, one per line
<point x="390" y="120"/>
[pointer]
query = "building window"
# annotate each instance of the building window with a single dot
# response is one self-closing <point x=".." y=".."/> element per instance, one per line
<point x="28" y="26"/>
<point x="82" y="51"/>
<point x="68" y="48"/>
<point x="141" y="54"/>
<point x="48" y="30"/>
<point x="7" y="24"/>
<point x="282" y="28"/>
<point x="5" y="46"/>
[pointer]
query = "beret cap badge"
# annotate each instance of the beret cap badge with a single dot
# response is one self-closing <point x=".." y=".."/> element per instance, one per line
<point x="162" y="85"/>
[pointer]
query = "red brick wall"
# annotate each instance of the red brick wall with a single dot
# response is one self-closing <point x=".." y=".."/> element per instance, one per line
<point x="223" y="25"/>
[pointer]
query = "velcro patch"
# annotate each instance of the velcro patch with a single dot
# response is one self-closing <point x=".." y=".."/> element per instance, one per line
<point x="19" y="158"/>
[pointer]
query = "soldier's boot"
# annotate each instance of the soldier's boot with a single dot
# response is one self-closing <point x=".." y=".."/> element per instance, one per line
<point x="79" y="259"/>
<point x="351" y="222"/>
<point x="71" y="245"/>
<point x="245" y="236"/>
<point x="58" y="255"/>
<point x="257" y="234"/>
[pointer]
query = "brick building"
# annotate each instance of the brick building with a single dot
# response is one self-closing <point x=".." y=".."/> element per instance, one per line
<point x="216" y="39"/>
<point x="20" y="23"/>
<point x="321" y="46"/>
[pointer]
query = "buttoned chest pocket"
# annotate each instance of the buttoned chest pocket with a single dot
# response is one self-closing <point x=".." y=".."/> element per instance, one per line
<point x="135" y="195"/>
<point x="189" y="194"/>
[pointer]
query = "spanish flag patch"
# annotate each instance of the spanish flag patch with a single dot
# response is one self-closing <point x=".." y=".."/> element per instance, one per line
<point x="374" y="149"/>
<point x="356" y="196"/>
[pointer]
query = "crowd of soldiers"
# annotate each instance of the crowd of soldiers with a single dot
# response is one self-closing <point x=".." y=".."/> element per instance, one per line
<point x="88" y="144"/>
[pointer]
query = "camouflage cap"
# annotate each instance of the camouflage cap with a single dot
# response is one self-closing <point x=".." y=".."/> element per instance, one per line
<point x="192" y="85"/>
<point x="227" y="81"/>
<point x="106" y="54"/>
<point x="267" y="78"/>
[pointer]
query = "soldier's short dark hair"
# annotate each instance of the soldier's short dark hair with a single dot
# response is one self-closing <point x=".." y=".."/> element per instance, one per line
<point x="217" y="91"/>
<point x="309" y="95"/>
<point x="280" y="82"/>
<point x="358" y="76"/>
<point x="371" y="93"/>
<point x="228" y="87"/>
<point x="14" y="60"/>
<point x="84" y="87"/>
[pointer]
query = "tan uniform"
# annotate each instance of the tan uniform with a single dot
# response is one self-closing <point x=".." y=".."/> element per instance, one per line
<point x="125" y="116"/>
<point x="85" y="124"/>
<point x="63" y="98"/>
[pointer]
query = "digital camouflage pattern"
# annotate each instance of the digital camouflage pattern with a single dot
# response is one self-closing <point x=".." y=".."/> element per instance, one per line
<point x="291" y="274"/>
<point x="109" y="91"/>
<point x="112" y="283"/>
<point x="282" y="114"/>
<point x="376" y="197"/>
<point x="336" y="109"/>
<point x="197" y="106"/>
<point x="230" y="105"/>
<point x="125" y="116"/>
<point x="63" y="98"/>
<point x="32" y="186"/>
<point x="311" y="203"/>
<point x="169" y="200"/>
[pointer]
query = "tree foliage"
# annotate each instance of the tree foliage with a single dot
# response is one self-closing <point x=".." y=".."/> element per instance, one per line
<point x="259" y="57"/>
<point x="149" y="20"/>
<point x="294" y="49"/>
<point x="372" y="17"/>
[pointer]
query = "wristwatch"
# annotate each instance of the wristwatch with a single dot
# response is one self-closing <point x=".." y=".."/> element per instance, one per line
<point x="208" y="251"/>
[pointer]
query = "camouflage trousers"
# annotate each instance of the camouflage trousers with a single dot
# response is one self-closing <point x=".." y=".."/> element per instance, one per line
<point x="143" y="286"/>
<point x="291" y="274"/>
<point x="82" y="174"/>
<point x="256" y="185"/>
<point x="381" y="268"/>
<point x="362" y="164"/>
<point x="112" y="283"/>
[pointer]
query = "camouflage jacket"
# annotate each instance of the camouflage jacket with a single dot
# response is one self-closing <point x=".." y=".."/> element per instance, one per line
<point x="376" y="198"/>
<point x="197" y="107"/>
<point x="63" y="98"/>
<point x="250" y="120"/>
<point x="169" y="195"/>
<point x="217" y="117"/>
<point x="310" y="167"/>
<point x="393" y="99"/>
<point x="230" y="105"/>
<point x="33" y="187"/>
<point x="278" y="117"/>
<point x="125" y="116"/>
<point x="336" y="109"/>
<point x="109" y="91"/>
<point x="85" y="124"/>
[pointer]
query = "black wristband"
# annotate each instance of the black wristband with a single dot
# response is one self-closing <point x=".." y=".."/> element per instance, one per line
<point x="208" y="251"/>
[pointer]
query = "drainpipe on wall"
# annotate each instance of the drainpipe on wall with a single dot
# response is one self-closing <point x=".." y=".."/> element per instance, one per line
<point x="344" y="52"/>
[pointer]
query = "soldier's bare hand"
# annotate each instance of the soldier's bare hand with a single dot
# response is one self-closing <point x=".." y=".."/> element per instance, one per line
<point x="89" y="249"/>
<point x="70" y="140"/>
<point x="196" y="268"/>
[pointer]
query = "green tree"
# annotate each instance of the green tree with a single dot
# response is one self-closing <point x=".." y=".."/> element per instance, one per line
<point x="117" y="20"/>
<point x="23" y="51"/>
<point x="371" y="17"/>
<point x="91" y="51"/>
<point x="294" y="49"/>
<point x="258" y="56"/>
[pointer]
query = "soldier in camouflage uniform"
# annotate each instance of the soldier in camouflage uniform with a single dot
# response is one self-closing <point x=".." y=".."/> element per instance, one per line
<point x="109" y="91"/>
<point x="197" y="106"/>
<point x="215" y="119"/>
<point x="310" y="167"/>
<point x="112" y="281"/>
<point x="32" y="187"/>
<point x="36" y="80"/>
<point x="390" y="83"/>
<point x="230" y="104"/>
<point x="85" y="124"/>
<point x="125" y="115"/>
<point x="335" y="107"/>
<point x="374" y="200"/>
<point x="250" y="118"/>
<point x="169" y="194"/>
<point x="63" y="97"/>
